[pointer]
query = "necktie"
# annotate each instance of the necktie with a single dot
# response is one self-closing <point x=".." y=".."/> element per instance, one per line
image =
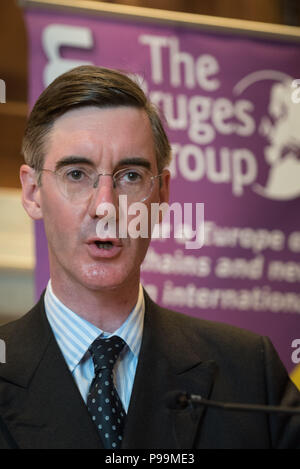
<point x="103" y="400"/>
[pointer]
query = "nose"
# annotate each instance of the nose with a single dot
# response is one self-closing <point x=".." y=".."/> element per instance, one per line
<point x="103" y="193"/>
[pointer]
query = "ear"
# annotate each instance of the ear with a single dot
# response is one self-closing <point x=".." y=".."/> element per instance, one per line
<point x="30" y="192"/>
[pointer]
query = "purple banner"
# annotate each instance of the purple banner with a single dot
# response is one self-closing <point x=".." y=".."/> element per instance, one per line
<point x="232" y="108"/>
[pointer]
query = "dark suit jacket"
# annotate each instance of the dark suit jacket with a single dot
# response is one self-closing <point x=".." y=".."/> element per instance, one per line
<point x="41" y="407"/>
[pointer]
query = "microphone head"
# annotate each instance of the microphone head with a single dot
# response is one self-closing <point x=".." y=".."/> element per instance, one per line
<point x="176" y="400"/>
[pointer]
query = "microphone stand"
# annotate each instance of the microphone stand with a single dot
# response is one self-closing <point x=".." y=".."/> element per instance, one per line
<point x="183" y="400"/>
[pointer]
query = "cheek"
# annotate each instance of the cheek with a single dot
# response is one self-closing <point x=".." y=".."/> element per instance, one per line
<point x="143" y="248"/>
<point x="60" y="217"/>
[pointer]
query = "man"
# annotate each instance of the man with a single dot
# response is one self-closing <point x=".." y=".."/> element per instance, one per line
<point x="92" y="364"/>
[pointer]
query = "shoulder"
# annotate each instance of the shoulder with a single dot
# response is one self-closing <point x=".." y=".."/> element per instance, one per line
<point x="31" y="328"/>
<point x="26" y="341"/>
<point x="10" y="328"/>
<point x="237" y="352"/>
<point x="194" y="326"/>
<point x="212" y="340"/>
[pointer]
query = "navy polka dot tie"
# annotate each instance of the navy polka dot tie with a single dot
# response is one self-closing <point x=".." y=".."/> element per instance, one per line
<point x="103" y="400"/>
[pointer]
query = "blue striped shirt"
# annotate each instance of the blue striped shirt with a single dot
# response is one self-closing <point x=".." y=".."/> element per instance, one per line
<point x="74" y="335"/>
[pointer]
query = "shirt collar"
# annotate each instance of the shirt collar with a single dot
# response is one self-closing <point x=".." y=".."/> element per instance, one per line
<point x="74" y="334"/>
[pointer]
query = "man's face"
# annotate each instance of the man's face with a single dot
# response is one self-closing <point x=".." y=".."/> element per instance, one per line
<point x="105" y="138"/>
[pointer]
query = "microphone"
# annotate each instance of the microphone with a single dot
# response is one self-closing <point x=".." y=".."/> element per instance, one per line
<point x="181" y="400"/>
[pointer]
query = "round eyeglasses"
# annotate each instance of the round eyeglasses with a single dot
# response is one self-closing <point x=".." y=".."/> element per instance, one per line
<point x="77" y="182"/>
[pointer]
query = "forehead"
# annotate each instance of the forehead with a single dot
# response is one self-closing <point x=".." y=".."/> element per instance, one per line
<point x="104" y="135"/>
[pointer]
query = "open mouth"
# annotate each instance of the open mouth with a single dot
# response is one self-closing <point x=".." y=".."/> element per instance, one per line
<point x="104" y="248"/>
<point x="104" y="245"/>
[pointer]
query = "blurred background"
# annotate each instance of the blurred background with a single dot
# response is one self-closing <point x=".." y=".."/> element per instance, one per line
<point x="16" y="230"/>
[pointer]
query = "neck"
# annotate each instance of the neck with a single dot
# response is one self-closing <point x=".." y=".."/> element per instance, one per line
<point x="107" y="308"/>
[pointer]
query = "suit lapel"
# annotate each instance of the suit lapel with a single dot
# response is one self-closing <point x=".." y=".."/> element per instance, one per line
<point x="41" y="405"/>
<point x="167" y="362"/>
<point x="35" y="373"/>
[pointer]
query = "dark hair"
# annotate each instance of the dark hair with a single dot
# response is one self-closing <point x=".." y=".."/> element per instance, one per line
<point x="88" y="85"/>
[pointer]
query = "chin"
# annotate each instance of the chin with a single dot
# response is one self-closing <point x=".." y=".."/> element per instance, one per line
<point x="98" y="278"/>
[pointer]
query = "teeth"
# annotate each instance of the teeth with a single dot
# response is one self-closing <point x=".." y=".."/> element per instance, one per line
<point x="104" y="245"/>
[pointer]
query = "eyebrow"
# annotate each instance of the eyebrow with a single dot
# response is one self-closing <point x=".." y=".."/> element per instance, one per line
<point x="135" y="161"/>
<point x="73" y="159"/>
<point x="68" y="160"/>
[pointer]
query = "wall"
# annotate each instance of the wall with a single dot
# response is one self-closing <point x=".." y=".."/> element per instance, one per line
<point x="16" y="231"/>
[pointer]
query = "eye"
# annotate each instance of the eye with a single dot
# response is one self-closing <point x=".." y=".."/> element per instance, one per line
<point x="130" y="176"/>
<point x="75" y="175"/>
